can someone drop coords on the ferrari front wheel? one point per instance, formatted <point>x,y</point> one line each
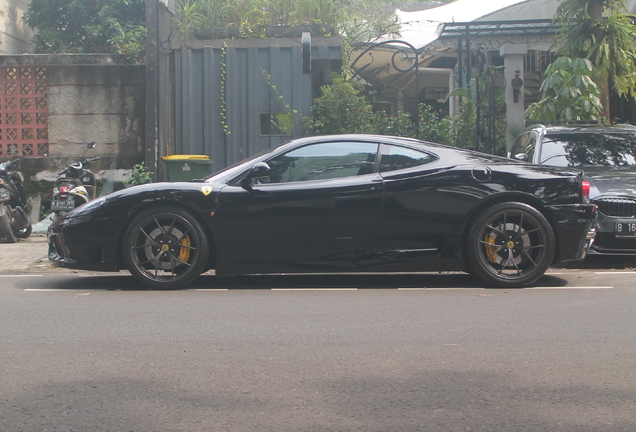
<point>165,248</point>
<point>510,245</point>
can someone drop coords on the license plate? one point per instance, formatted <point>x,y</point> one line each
<point>62,205</point>
<point>4,196</point>
<point>625,229</point>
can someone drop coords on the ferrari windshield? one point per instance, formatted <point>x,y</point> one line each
<point>579,149</point>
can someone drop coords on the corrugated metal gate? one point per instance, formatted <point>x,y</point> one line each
<point>242,96</point>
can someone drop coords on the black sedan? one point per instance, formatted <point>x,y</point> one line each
<point>347,203</point>
<point>607,156</point>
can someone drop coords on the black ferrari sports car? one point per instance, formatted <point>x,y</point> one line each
<point>345,203</point>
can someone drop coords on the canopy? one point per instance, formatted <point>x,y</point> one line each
<point>390,67</point>
<point>533,9</point>
<point>422,27</point>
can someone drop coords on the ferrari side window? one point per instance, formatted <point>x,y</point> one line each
<point>398,158</point>
<point>323,161</point>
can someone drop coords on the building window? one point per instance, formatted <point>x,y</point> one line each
<point>24,127</point>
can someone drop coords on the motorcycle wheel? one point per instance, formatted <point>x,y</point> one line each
<point>7,231</point>
<point>24,233</point>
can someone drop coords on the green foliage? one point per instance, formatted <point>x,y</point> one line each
<point>190,16</point>
<point>340,109</point>
<point>568,93</point>
<point>355,20</point>
<point>139,175</point>
<point>129,40</point>
<point>88,26</point>
<point>463,129</point>
<point>429,127</point>
<point>602,32</point>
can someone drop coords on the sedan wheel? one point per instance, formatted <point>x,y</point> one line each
<point>510,245</point>
<point>165,248</point>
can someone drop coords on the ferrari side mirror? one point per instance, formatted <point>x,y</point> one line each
<point>260,169</point>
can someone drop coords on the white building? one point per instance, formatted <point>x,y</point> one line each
<point>15,35</point>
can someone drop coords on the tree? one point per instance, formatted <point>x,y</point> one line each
<point>87,26</point>
<point>601,31</point>
<point>568,93</point>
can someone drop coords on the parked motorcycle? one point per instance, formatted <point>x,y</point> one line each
<point>74,186</point>
<point>14,215</point>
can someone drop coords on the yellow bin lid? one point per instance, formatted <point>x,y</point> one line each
<point>186,157</point>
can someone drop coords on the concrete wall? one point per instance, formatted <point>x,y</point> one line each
<point>89,98</point>
<point>15,36</point>
<point>105,104</point>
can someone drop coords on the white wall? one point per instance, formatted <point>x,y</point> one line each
<point>15,36</point>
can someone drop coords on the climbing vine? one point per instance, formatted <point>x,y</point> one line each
<point>223,111</point>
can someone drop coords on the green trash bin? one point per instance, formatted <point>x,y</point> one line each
<point>186,167</point>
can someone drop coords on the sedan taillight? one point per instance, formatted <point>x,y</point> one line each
<point>585,189</point>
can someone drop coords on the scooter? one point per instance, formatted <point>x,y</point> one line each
<point>74,186</point>
<point>14,215</point>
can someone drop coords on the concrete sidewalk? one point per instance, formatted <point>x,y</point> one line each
<point>26,254</point>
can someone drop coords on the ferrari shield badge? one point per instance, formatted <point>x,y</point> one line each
<point>206,190</point>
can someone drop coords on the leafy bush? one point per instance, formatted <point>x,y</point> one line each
<point>429,128</point>
<point>568,93</point>
<point>341,109</point>
<point>356,20</point>
<point>139,175</point>
<point>88,26</point>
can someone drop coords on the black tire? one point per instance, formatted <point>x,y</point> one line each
<point>165,248</point>
<point>510,245</point>
<point>24,233</point>
<point>23,217</point>
<point>7,231</point>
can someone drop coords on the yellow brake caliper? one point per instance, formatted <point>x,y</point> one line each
<point>490,250</point>
<point>184,252</point>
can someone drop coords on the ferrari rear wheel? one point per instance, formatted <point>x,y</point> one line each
<point>510,245</point>
<point>165,248</point>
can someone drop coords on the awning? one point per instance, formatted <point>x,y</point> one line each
<point>534,9</point>
<point>421,27</point>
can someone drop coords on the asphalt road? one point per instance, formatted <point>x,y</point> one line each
<point>82,352</point>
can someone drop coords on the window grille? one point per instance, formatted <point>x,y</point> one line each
<point>24,130</point>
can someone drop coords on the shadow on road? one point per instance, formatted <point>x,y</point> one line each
<point>603,262</point>
<point>124,282</point>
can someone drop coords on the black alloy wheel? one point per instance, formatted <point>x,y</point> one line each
<point>165,248</point>
<point>510,245</point>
